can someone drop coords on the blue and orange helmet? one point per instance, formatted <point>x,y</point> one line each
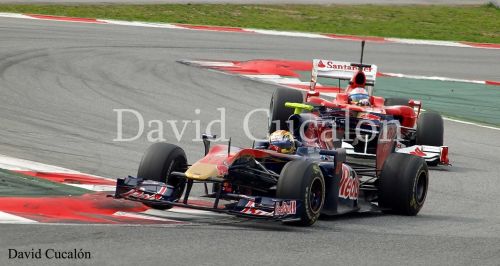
<point>282,141</point>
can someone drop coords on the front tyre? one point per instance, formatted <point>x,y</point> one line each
<point>403,184</point>
<point>430,129</point>
<point>303,180</point>
<point>158,162</point>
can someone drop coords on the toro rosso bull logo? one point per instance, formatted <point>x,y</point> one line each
<point>250,208</point>
<point>349,184</point>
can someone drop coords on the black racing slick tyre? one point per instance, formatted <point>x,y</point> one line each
<point>158,162</point>
<point>403,184</point>
<point>430,129</point>
<point>278,113</point>
<point>303,180</point>
<point>396,101</point>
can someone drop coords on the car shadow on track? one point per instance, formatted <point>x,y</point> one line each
<point>323,223</point>
<point>259,226</point>
<point>352,215</point>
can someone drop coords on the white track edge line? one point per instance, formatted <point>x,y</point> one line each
<point>435,78</point>
<point>7,218</point>
<point>16,164</point>
<point>470,123</point>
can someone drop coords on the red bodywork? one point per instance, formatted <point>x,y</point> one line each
<point>405,114</point>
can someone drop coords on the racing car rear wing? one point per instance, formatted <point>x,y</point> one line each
<point>341,70</point>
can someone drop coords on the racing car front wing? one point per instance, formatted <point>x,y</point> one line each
<point>433,155</point>
<point>159,194</point>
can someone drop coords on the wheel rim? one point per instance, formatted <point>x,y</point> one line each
<point>316,195</point>
<point>421,190</point>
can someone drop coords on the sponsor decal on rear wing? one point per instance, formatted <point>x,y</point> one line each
<point>340,70</point>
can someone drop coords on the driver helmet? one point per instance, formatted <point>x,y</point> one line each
<point>359,96</point>
<point>282,141</point>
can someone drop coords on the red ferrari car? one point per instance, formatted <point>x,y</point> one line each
<point>358,114</point>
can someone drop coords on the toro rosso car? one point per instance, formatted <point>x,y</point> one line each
<point>357,121</point>
<point>293,188</point>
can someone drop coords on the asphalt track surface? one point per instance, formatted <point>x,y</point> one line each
<point>346,2</point>
<point>59,84</point>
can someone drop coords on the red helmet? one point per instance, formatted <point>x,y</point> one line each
<point>358,95</point>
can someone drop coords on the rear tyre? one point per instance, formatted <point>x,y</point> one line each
<point>303,180</point>
<point>158,162</point>
<point>278,113</point>
<point>396,101</point>
<point>403,184</point>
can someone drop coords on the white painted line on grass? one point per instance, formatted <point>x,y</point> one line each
<point>427,42</point>
<point>140,24</point>
<point>290,34</point>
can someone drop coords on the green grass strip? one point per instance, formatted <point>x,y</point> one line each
<point>15,184</point>
<point>433,22</point>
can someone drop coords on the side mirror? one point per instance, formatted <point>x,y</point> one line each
<point>206,141</point>
<point>414,103</point>
<point>311,93</point>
